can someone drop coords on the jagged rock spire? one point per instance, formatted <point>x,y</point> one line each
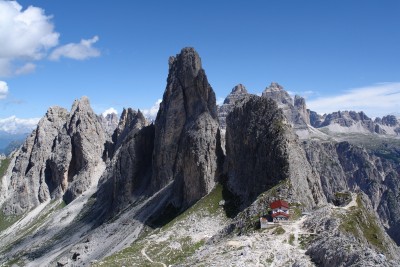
<point>186,128</point>
<point>59,159</point>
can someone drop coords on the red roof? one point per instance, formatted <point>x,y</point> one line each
<point>279,203</point>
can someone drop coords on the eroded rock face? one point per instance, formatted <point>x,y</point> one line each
<point>237,94</point>
<point>87,140</point>
<point>256,149</point>
<point>344,167</point>
<point>300,105</point>
<point>130,120</point>
<point>128,173</point>
<point>355,122</point>
<point>315,119</point>
<point>295,112</point>
<point>109,123</point>
<point>350,237</point>
<point>58,159</point>
<point>186,132</point>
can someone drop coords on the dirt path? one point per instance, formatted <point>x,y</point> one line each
<point>143,251</point>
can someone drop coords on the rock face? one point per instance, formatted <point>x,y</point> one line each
<point>343,167</point>
<point>389,124</point>
<point>130,120</point>
<point>109,123</point>
<point>315,119</point>
<point>59,159</point>
<point>186,146</point>
<point>390,120</point>
<point>238,93</point>
<point>300,105</point>
<point>262,151</point>
<point>350,237</point>
<point>355,122</point>
<point>128,173</point>
<point>256,151</point>
<point>295,112</point>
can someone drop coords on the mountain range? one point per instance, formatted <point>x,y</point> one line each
<point>189,188</point>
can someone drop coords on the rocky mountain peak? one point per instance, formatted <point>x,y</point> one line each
<point>109,123</point>
<point>56,113</point>
<point>300,105</point>
<point>295,113</point>
<point>129,120</point>
<point>240,88</point>
<point>390,120</point>
<point>277,93</point>
<point>186,127</point>
<point>274,86</point>
<point>188,62</point>
<point>238,93</point>
<point>81,104</point>
<point>59,159</point>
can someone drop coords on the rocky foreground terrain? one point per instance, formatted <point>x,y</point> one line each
<point>189,189</point>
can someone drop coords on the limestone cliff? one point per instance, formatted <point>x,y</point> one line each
<point>263,151</point>
<point>186,142</point>
<point>295,111</point>
<point>58,159</point>
<point>128,173</point>
<point>238,92</point>
<point>256,151</point>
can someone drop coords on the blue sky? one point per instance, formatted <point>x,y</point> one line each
<point>331,52</point>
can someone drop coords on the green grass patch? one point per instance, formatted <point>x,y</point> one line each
<point>278,231</point>
<point>362,224</point>
<point>291,239</point>
<point>305,240</point>
<point>14,262</point>
<point>7,221</point>
<point>4,166</point>
<point>295,211</point>
<point>208,205</point>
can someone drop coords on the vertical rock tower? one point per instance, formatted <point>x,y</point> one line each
<point>186,146</point>
<point>61,158</point>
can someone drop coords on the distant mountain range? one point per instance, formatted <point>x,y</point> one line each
<point>189,188</point>
<point>9,142</point>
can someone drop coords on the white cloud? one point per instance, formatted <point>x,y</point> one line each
<point>3,90</point>
<point>25,35</point>
<point>220,101</point>
<point>25,69</point>
<point>16,125</point>
<point>81,51</point>
<point>375,100</point>
<point>109,111</point>
<point>151,113</point>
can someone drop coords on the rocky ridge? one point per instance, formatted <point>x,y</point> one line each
<point>179,162</point>
<point>356,122</point>
<point>57,159</point>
